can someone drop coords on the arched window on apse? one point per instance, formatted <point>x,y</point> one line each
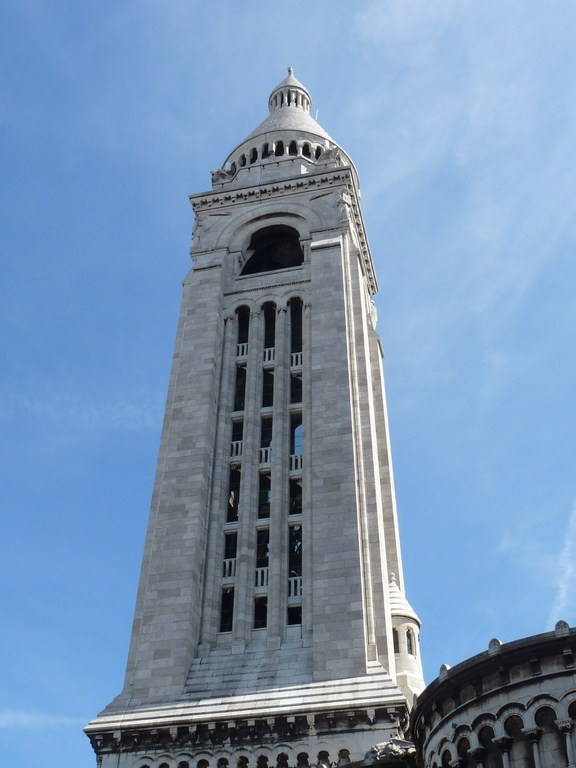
<point>521,754</point>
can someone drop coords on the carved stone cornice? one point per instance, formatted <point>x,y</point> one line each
<point>564,726</point>
<point>504,743</point>
<point>241,734</point>
<point>219,198</point>
<point>533,734</point>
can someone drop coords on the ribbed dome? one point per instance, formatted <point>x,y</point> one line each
<point>288,133</point>
<point>399,606</point>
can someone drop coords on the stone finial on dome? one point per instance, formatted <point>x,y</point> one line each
<point>290,93</point>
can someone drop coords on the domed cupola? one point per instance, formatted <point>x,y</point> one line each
<point>290,93</point>
<point>406,641</point>
<point>288,137</point>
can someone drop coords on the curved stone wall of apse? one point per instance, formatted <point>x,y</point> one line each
<point>513,706</point>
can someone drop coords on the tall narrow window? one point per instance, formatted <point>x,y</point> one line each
<point>230,545</point>
<point>269,325</point>
<point>262,548</point>
<point>296,388</point>
<point>410,642</point>
<point>266,441</point>
<point>296,497</point>
<point>227,609</point>
<point>294,615</point>
<point>267,388</point>
<point>295,325</point>
<point>260,612</point>
<point>264,495</point>
<point>240,388</point>
<point>243,330</point>
<point>296,434</point>
<point>295,550</point>
<point>237,433</point>
<point>233,494</point>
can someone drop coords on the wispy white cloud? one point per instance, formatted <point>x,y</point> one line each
<point>466,103</point>
<point>565,600</point>
<point>13,719</point>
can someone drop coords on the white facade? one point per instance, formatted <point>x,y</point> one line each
<point>272,576</point>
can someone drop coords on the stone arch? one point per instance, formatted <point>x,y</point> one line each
<point>445,745</point>
<point>492,757</point>
<point>570,706</point>
<point>511,708</point>
<point>463,747</point>
<point>552,743</point>
<point>234,232</point>
<point>520,754</point>
<point>185,759</point>
<point>282,760</point>
<point>567,705</point>
<point>486,718</point>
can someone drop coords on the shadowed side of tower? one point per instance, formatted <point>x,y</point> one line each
<point>271,601</point>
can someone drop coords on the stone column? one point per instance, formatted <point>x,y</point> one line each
<point>478,754</point>
<point>307,608</point>
<point>277,580</point>
<point>533,735</point>
<point>217,517</point>
<point>248,505</point>
<point>565,727</point>
<point>504,744</point>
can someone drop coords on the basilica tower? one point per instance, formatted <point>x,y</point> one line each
<point>271,624</point>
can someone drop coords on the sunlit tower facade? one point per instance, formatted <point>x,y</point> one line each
<point>271,626</point>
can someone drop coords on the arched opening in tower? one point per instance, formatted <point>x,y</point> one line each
<point>275,247</point>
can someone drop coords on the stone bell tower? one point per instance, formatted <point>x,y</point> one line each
<point>271,625</point>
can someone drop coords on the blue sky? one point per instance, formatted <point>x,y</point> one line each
<point>461,119</point>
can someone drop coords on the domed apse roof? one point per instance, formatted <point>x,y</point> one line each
<point>399,606</point>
